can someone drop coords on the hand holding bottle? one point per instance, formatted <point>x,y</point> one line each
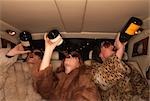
<point>54,35</point>
<point>118,44</point>
<point>49,47</point>
<point>49,43</point>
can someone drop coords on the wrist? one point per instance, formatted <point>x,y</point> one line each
<point>8,56</point>
<point>49,49</point>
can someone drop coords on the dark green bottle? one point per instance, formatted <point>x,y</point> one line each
<point>130,28</point>
<point>26,40</point>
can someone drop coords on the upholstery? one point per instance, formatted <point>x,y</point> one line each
<point>89,61</point>
<point>134,65</point>
<point>55,60</point>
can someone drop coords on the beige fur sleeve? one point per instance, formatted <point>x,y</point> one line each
<point>4,61</point>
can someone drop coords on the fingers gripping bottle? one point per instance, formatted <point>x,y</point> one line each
<point>54,35</point>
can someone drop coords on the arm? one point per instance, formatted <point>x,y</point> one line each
<point>120,47</point>
<point>49,47</point>
<point>4,61</point>
<point>44,76</point>
<point>9,56</point>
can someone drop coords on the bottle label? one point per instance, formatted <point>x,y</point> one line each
<point>132,29</point>
<point>58,37</point>
<point>25,43</point>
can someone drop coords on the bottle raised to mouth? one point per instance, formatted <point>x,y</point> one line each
<point>54,35</point>
<point>130,29</point>
<point>26,40</point>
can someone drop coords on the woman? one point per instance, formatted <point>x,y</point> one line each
<point>16,78</point>
<point>116,80</point>
<point>70,82</point>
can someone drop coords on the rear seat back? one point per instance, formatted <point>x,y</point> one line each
<point>89,61</point>
<point>55,60</point>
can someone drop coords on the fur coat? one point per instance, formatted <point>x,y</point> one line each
<point>15,80</point>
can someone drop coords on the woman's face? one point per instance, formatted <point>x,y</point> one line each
<point>106,52</point>
<point>71,63</point>
<point>34,57</point>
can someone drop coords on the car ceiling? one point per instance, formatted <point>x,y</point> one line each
<point>73,18</point>
<point>38,16</point>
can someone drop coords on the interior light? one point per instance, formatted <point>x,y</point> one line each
<point>83,46</point>
<point>87,43</point>
<point>10,32</point>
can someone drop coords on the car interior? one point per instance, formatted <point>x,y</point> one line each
<point>83,25</point>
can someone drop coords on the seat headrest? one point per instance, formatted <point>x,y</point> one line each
<point>88,62</point>
<point>90,54</point>
<point>125,56</point>
<point>55,55</point>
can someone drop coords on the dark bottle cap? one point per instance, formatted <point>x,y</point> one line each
<point>136,20</point>
<point>25,35</point>
<point>53,34</point>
